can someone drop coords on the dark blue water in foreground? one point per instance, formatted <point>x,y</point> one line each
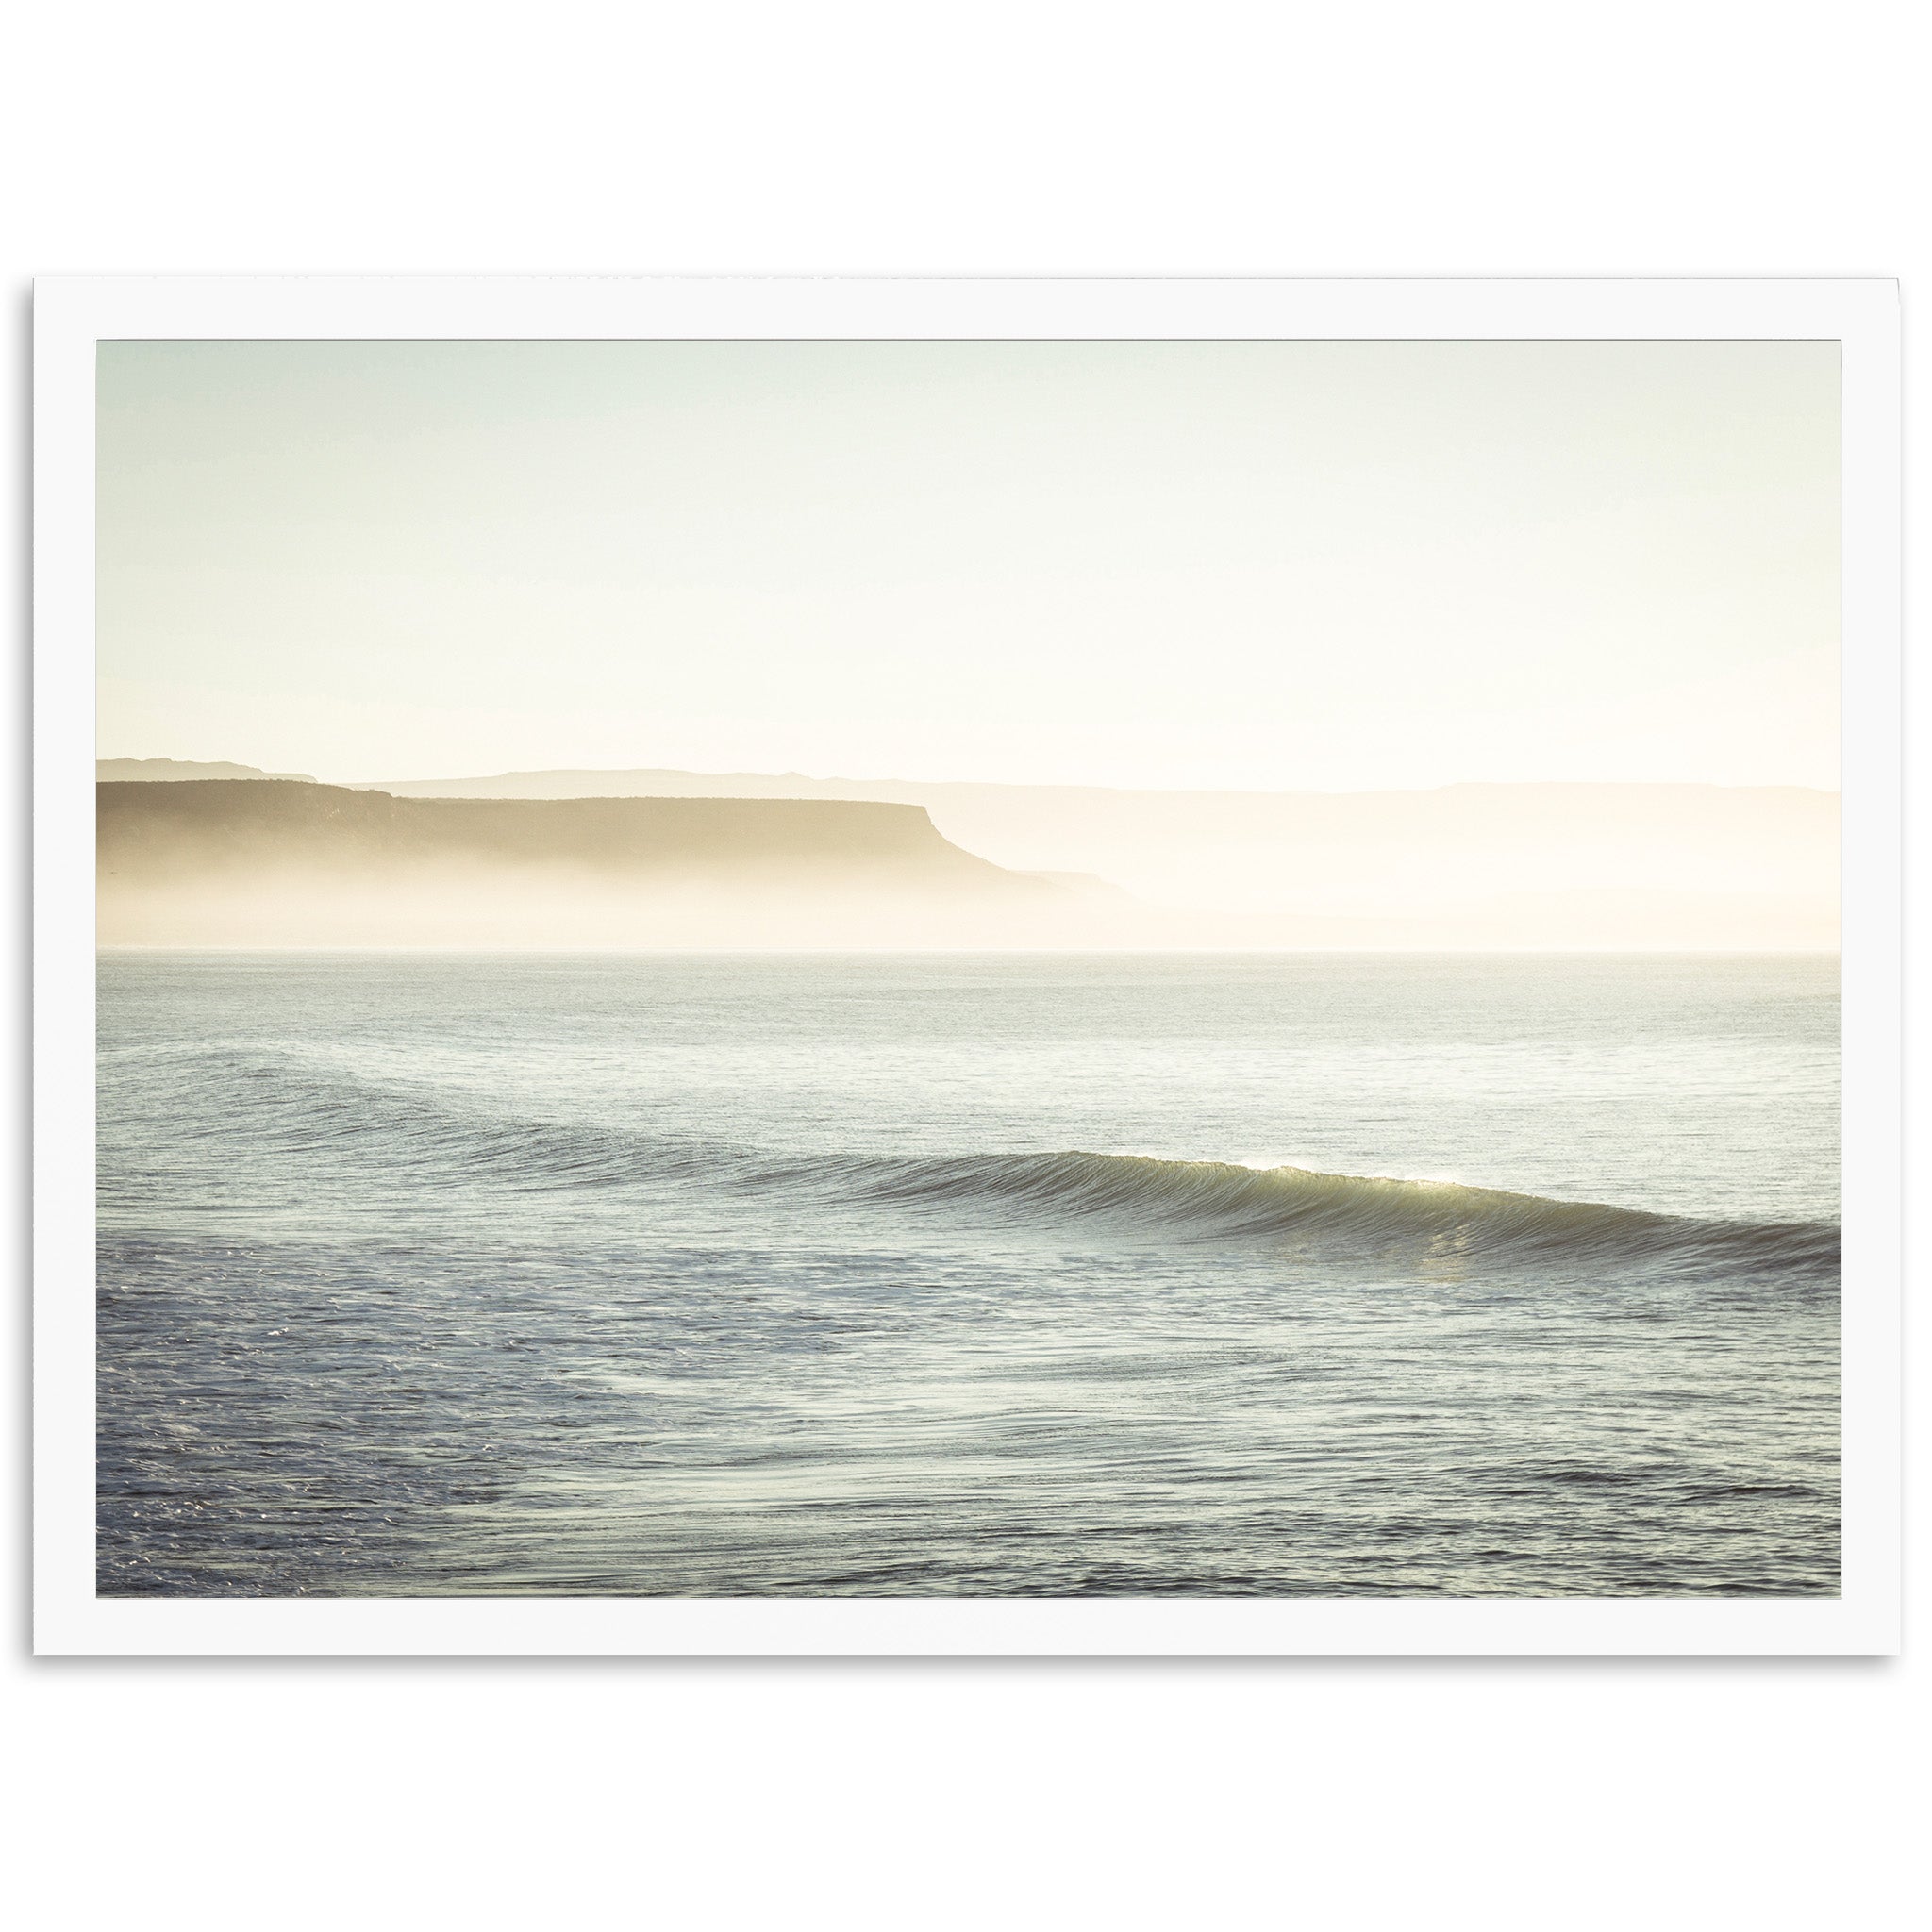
<point>1302,1275</point>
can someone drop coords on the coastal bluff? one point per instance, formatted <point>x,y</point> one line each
<point>268,862</point>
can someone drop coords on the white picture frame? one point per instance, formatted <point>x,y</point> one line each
<point>74,315</point>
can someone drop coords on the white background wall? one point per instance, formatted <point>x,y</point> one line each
<point>1682,138</point>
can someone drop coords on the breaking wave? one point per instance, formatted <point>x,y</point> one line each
<point>428,1141</point>
<point>1213,1201</point>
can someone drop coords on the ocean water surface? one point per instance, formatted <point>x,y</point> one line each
<point>967,1275</point>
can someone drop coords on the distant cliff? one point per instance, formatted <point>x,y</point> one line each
<point>238,862</point>
<point>184,771</point>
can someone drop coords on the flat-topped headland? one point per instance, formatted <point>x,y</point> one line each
<point>267,861</point>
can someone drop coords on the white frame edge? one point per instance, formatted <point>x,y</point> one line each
<point>73,314</point>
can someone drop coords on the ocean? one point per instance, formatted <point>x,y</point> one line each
<point>1234,1274</point>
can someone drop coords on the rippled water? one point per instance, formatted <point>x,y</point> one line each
<point>963,1275</point>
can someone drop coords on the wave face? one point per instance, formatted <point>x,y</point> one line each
<point>1213,1201</point>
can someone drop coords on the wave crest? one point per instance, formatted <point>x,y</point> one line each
<point>1212,1200</point>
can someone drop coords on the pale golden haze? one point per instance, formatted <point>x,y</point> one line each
<point>190,857</point>
<point>1249,566</point>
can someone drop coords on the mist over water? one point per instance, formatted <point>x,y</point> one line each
<point>650,860</point>
<point>954,1274</point>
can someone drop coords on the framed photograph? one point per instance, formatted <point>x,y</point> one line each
<point>979,967</point>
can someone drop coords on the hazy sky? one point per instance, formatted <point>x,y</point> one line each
<point>1248,565</point>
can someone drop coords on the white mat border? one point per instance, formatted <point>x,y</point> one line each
<point>74,314</point>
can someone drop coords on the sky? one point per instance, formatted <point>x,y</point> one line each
<point>1335,566</point>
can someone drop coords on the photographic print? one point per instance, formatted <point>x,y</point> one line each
<point>968,969</point>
